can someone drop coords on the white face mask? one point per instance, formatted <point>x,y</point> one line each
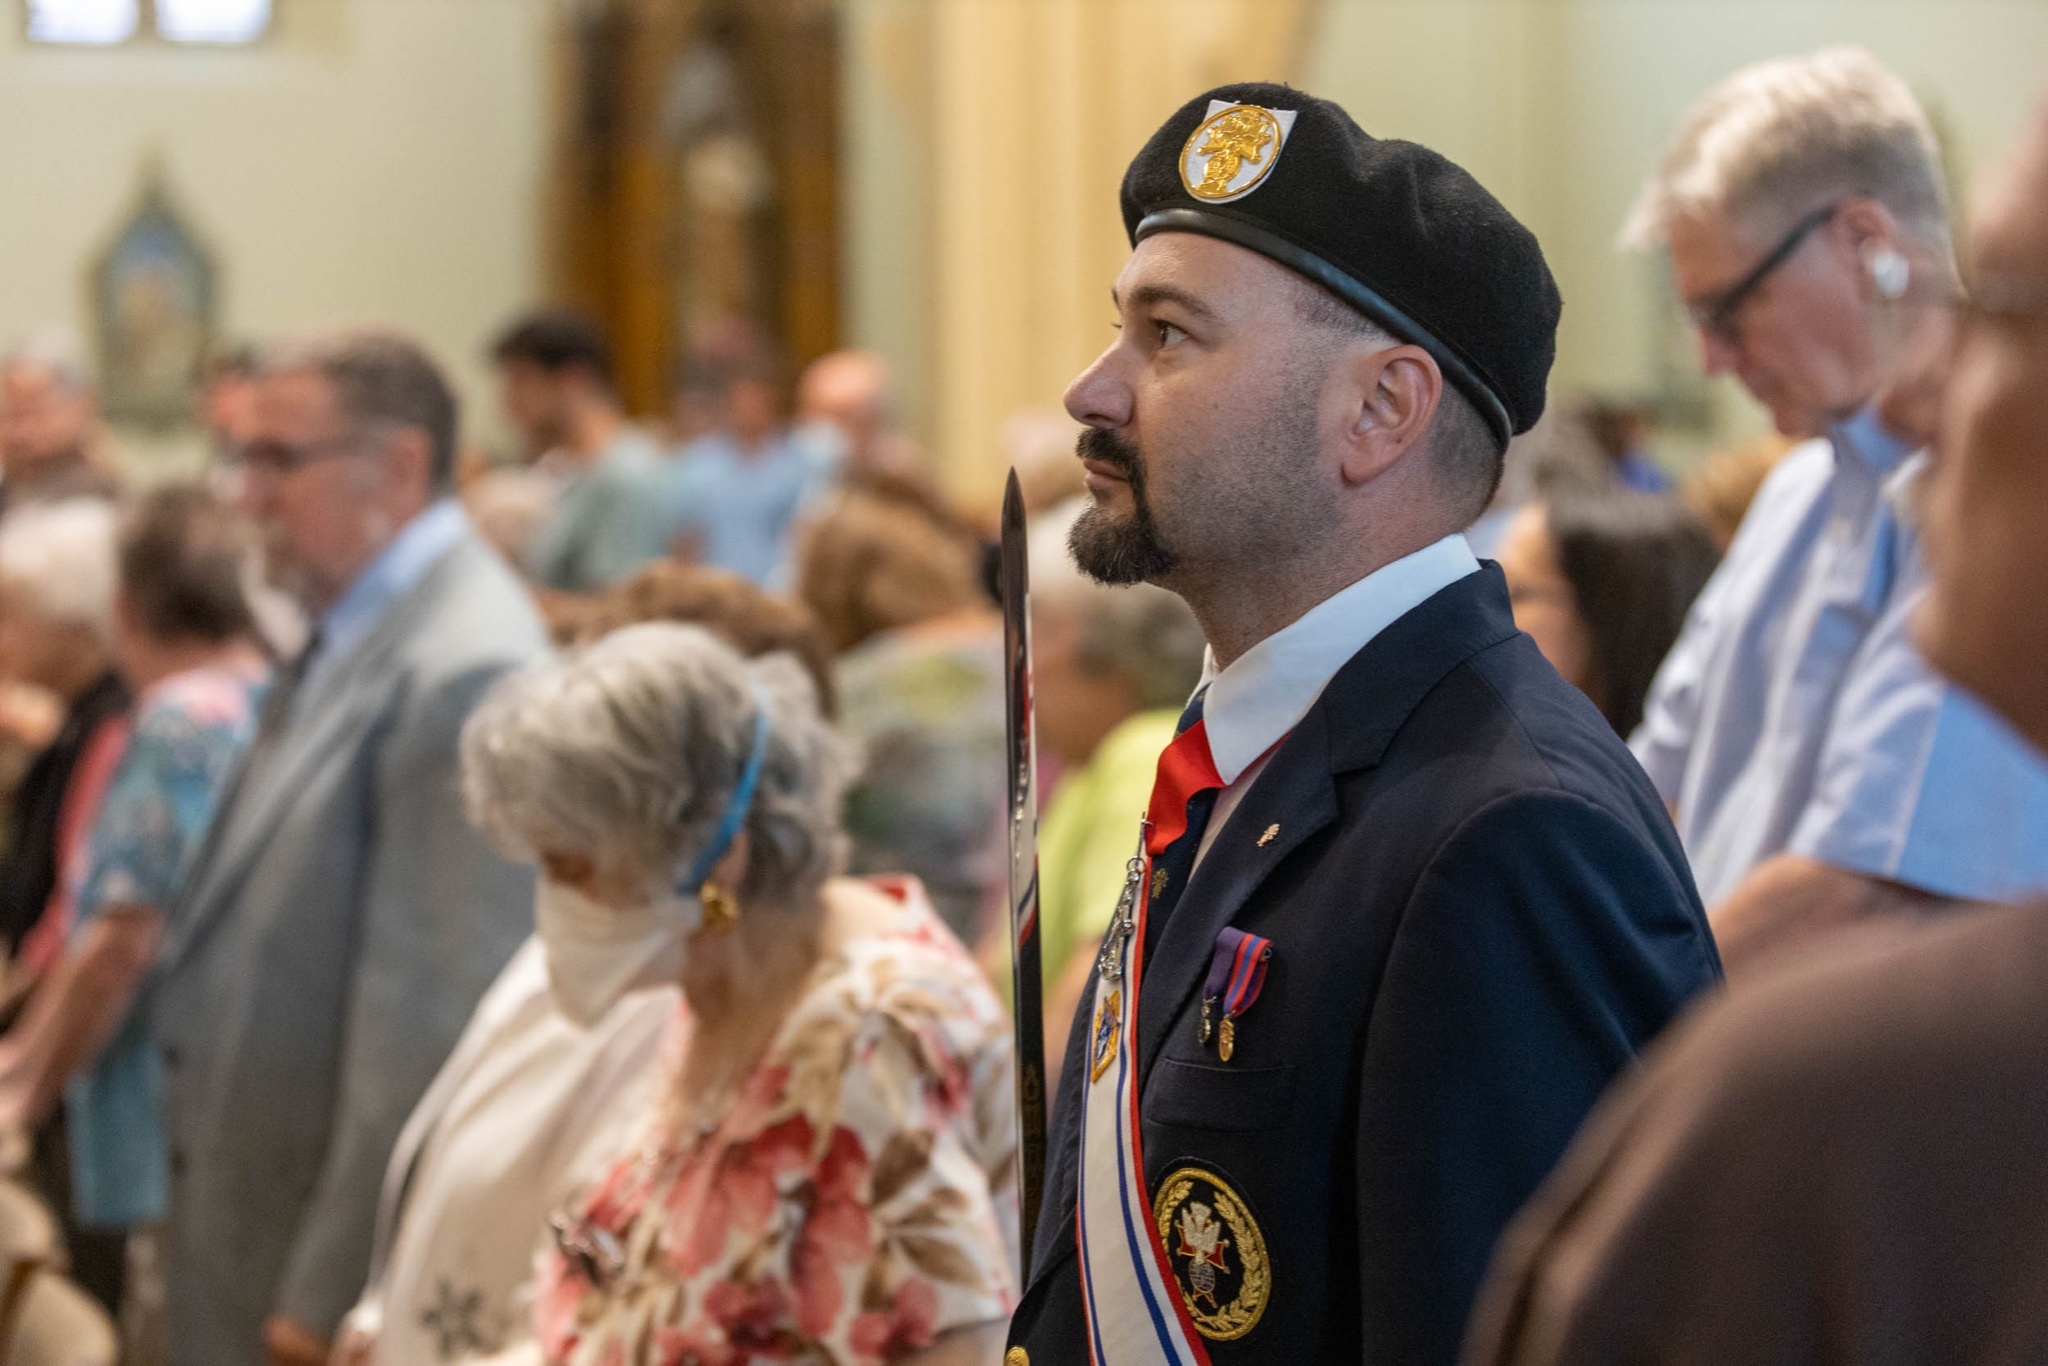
<point>598,953</point>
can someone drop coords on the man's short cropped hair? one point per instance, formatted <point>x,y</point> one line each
<point>557,339</point>
<point>1469,459</point>
<point>382,379</point>
<point>1779,139</point>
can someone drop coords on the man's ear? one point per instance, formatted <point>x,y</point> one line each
<point>409,461</point>
<point>730,872</point>
<point>1391,398</point>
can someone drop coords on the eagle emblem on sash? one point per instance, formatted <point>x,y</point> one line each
<point>1216,1250</point>
<point>1102,1038</point>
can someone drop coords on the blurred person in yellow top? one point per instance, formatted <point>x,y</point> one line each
<point>1112,669</point>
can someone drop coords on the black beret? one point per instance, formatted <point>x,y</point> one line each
<point>1403,235</point>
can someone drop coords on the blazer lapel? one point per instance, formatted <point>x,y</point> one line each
<point>1349,727</point>
<point>1295,792</point>
<point>331,712</point>
<point>312,732</point>
<point>1292,799</point>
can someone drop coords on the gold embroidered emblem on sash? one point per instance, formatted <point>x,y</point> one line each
<point>1102,1039</point>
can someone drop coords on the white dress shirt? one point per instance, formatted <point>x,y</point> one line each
<point>1266,691</point>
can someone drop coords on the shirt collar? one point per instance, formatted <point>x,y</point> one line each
<point>1863,437</point>
<point>1269,688</point>
<point>401,564</point>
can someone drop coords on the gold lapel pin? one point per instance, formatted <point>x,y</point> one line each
<point>1272,833</point>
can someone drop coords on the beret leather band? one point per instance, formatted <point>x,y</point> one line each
<point>1346,287</point>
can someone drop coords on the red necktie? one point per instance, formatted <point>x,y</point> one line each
<point>1183,794</point>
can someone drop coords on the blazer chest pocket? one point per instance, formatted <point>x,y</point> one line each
<point>1193,1095</point>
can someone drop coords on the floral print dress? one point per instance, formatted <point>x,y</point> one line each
<point>853,1203</point>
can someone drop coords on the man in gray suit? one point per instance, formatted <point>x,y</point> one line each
<point>343,918</point>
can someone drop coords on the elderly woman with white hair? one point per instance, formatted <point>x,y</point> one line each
<point>184,641</point>
<point>827,1170</point>
<point>57,589</point>
<point>57,575</point>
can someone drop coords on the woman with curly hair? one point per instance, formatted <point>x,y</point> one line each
<point>826,1172</point>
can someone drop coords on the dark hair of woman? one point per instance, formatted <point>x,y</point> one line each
<point>1635,562</point>
<point>745,616</point>
<point>184,554</point>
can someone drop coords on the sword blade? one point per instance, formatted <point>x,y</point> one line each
<point>1023,831</point>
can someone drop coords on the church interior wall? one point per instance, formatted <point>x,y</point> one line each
<point>367,161</point>
<point>384,159</point>
<point>984,140</point>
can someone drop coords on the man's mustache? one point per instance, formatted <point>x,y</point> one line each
<point>1106,447</point>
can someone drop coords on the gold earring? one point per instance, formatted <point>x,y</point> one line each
<point>721,911</point>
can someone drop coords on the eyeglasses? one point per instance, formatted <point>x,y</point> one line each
<point>284,457</point>
<point>1716,316</point>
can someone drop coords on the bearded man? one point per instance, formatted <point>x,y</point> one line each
<point>1402,903</point>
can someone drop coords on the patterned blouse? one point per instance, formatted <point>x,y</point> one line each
<point>190,731</point>
<point>854,1202</point>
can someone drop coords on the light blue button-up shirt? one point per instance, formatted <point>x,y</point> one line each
<point>741,509</point>
<point>607,521</point>
<point>402,563</point>
<point>1794,715</point>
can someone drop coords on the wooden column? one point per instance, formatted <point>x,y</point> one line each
<point>645,229</point>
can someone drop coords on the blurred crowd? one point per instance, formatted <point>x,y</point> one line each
<point>162,647</point>
<point>362,795</point>
<point>303,642</point>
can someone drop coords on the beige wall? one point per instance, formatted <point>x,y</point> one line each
<point>993,292</point>
<point>1591,90</point>
<point>372,160</point>
<point>985,142</point>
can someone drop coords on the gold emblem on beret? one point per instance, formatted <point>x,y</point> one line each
<point>1233,150</point>
<point>1016,1356</point>
<point>1272,833</point>
<point>1216,1251</point>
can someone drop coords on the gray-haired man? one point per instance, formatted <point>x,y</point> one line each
<point>1819,771</point>
<point>343,918</point>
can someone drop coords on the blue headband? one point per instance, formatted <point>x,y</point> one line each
<point>736,809</point>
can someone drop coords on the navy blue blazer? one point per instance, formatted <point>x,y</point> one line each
<point>1479,914</point>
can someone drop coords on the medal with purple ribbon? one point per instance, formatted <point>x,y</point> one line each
<point>1237,971</point>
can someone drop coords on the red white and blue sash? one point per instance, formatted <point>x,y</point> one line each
<point>1133,1302</point>
<point>1135,1308</point>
